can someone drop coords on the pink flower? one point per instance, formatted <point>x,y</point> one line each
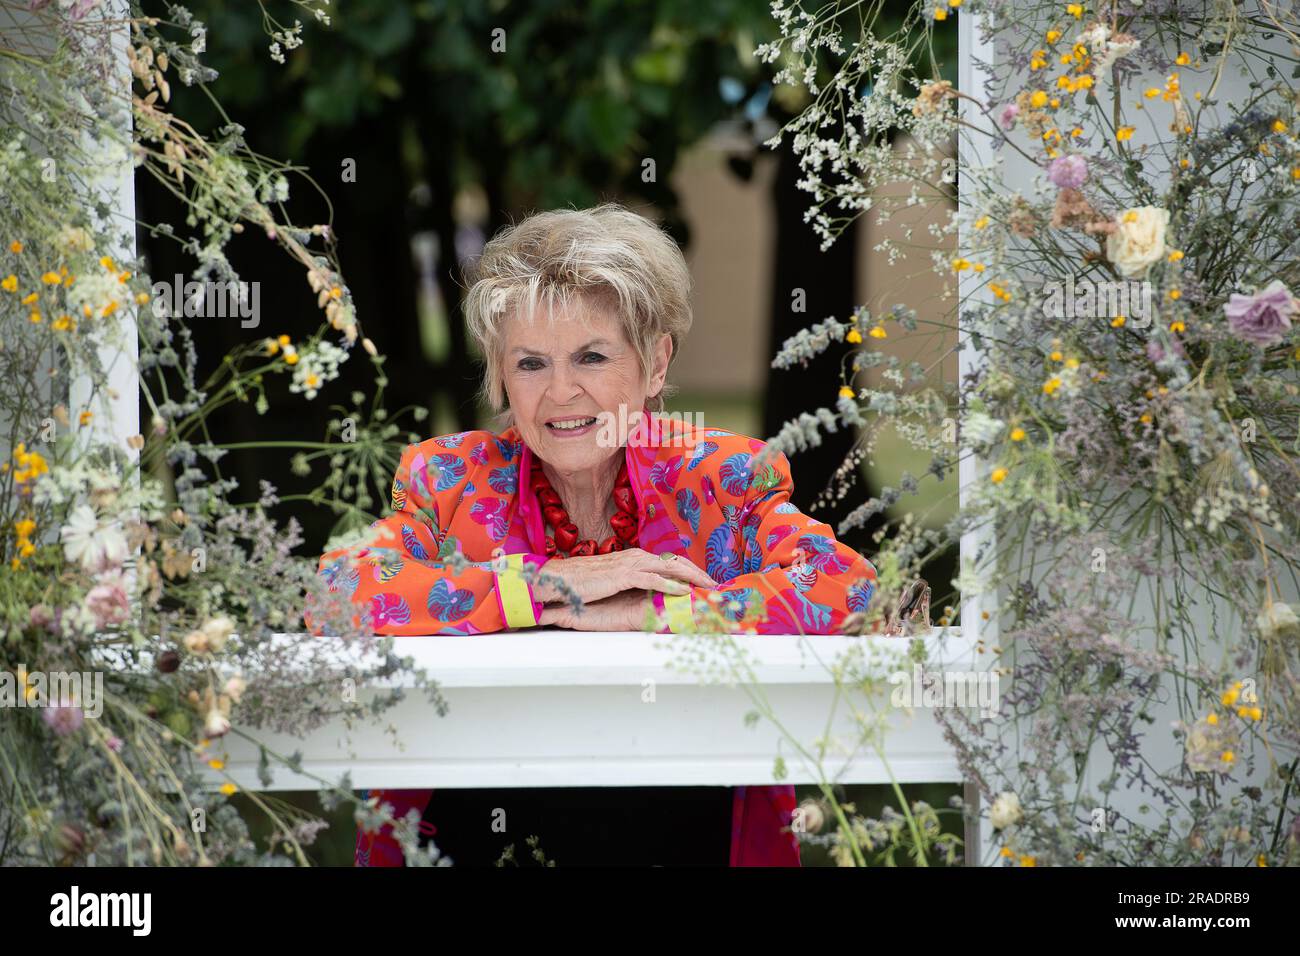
<point>1068,172</point>
<point>109,603</point>
<point>41,616</point>
<point>1263,318</point>
<point>64,719</point>
<point>1009,114</point>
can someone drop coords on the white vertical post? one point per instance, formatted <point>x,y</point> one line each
<point>116,409</point>
<point>977,545</point>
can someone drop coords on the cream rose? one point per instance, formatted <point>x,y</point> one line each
<point>1005,810</point>
<point>1138,239</point>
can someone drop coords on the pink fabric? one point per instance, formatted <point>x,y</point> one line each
<point>760,827</point>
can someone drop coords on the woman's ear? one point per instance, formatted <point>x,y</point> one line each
<point>663,354</point>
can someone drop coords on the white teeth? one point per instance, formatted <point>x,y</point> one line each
<point>575,423</point>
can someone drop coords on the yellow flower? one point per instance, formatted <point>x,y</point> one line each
<point>1072,363</point>
<point>978,267</point>
<point>107,263</point>
<point>1261,860</point>
<point>1182,59</point>
<point>1017,434</point>
<point>1051,385</point>
<point>1256,714</point>
<point>981,222</point>
<point>228,788</point>
<point>1007,851</point>
<point>15,247</point>
<point>291,358</point>
<point>51,278</point>
<point>998,476</point>
<point>1145,418</point>
<point>216,763</point>
<point>1055,356</point>
<point>1152,92</point>
<point>284,340</point>
<point>1038,99</point>
<point>336,292</point>
<point>1175,255</point>
<point>940,13</point>
<point>85,417</point>
<point>141,298</point>
<point>9,284</point>
<point>29,299</point>
<point>846,392</point>
<point>1230,695</point>
<point>877,332</point>
<point>63,324</point>
<point>35,318</point>
<point>272,346</point>
<point>854,336</point>
<point>1279,126</point>
<point>1028,861</point>
<point>1228,756</point>
<point>1212,719</point>
<point>1053,36</point>
<point>1125,133</point>
<point>959,265</point>
<point>1177,326</point>
<point>954,3</point>
<point>1116,322</point>
<point>1075,10</point>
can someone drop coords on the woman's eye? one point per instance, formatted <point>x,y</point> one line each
<point>529,364</point>
<point>591,358</point>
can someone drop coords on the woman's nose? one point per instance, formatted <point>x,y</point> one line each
<point>563,387</point>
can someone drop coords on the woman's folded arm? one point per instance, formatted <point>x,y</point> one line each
<point>398,584</point>
<point>781,572</point>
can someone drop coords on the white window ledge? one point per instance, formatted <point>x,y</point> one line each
<point>545,708</point>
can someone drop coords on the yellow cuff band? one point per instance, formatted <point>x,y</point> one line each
<point>679,612</point>
<point>516,599</point>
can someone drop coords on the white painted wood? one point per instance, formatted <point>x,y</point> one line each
<point>979,545</point>
<point>561,708</point>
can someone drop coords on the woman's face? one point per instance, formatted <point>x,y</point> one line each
<point>576,371</point>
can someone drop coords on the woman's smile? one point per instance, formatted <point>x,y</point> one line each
<point>571,427</point>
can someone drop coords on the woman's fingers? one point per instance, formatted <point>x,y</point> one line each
<point>650,581</point>
<point>683,569</point>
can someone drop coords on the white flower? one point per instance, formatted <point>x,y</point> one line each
<point>315,367</point>
<point>235,688</point>
<point>216,631</point>
<point>215,724</point>
<point>1005,810</point>
<point>1278,620</point>
<point>981,429</point>
<point>1138,240</point>
<point>95,545</point>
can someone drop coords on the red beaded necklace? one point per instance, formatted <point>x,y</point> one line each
<point>565,543</point>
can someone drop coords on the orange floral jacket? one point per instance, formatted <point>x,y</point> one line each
<point>698,494</point>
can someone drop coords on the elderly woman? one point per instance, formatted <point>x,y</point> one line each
<point>578,315</point>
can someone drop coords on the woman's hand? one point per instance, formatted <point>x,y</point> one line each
<point>625,611</point>
<point>599,576</point>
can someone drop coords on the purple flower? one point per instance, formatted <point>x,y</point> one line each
<point>64,719</point>
<point>1263,318</point>
<point>1009,114</point>
<point>1156,353</point>
<point>1068,172</point>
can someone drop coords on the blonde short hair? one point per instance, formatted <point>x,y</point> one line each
<point>605,255</point>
